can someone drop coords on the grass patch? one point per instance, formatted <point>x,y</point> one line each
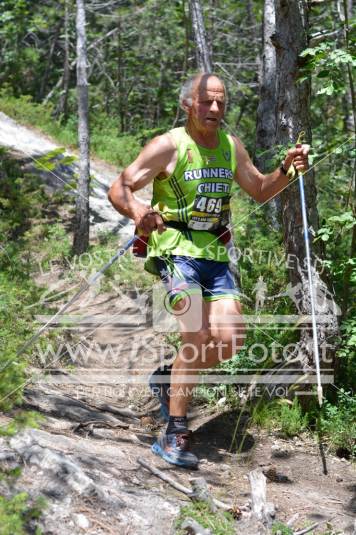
<point>281,415</point>
<point>24,110</point>
<point>220,523</point>
<point>279,528</point>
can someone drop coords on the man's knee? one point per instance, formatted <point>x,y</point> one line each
<point>199,339</point>
<point>228,344</point>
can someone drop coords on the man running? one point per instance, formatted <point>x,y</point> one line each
<point>192,169</point>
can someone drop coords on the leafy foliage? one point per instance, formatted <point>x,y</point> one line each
<point>23,203</point>
<point>339,422</point>
<point>327,63</point>
<point>21,420</point>
<point>155,36</point>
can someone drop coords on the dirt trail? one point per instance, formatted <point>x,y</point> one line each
<point>98,421</point>
<point>31,144</point>
<point>84,457</point>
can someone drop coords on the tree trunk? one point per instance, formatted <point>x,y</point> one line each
<point>292,117</point>
<point>81,232</point>
<point>121,97</point>
<point>185,57</point>
<point>267,108</point>
<point>202,51</point>
<point>250,17</point>
<point>49,63</point>
<point>62,108</point>
<point>351,126</point>
<point>266,111</point>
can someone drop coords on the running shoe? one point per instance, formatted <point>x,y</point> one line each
<point>159,384</point>
<point>175,449</point>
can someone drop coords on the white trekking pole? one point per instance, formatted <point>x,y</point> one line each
<point>310,280</point>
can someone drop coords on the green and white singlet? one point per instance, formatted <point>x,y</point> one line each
<point>197,194</point>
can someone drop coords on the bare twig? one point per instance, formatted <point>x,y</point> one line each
<point>292,520</point>
<point>121,411</point>
<point>164,477</point>
<point>321,36</point>
<point>313,526</point>
<point>100,423</point>
<point>307,530</point>
<point>181,488</point>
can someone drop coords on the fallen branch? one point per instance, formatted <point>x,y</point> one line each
<point>261,509</point>
<point>99,423</point>
<point>164,477</point>
<point>188,492</point>
<point>121,411</point>
<point>116,410</point>
<point>292,520</point>
<point>307,530</point>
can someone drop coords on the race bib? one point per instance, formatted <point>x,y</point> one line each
<point>209,213</point>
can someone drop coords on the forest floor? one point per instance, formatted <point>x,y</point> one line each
<point>100,418</point>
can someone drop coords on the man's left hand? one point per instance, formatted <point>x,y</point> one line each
<point>297,156</point>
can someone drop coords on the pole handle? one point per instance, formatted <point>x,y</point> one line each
<point>301,138</point>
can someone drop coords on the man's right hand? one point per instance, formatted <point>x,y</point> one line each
<point>149,221</point>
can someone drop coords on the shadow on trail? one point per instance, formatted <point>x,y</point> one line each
<point>219,435</point>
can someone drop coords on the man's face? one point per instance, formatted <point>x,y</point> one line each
<point>208,104</point>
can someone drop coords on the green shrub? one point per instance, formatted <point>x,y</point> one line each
<point>346,353</point>
<point>338,422</point>
<point>21,420</point>
<point>112,148</point>
<point>18,511</point>
<point>292,419</point>
<point>55,244</point>
<point>21,202</point>
<point>25,110</point>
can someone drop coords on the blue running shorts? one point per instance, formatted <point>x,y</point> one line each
<point>184,275</point>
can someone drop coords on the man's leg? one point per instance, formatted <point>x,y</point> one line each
<point>173,445</point>
<point>183,300</point>
<point>221,336</point>
<point>205,343</point>
<point>194,339</point>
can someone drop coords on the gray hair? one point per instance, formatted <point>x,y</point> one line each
<point>185,95</point>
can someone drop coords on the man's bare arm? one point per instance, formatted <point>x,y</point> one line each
<point>263,187</point>
<point>157,157</point>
